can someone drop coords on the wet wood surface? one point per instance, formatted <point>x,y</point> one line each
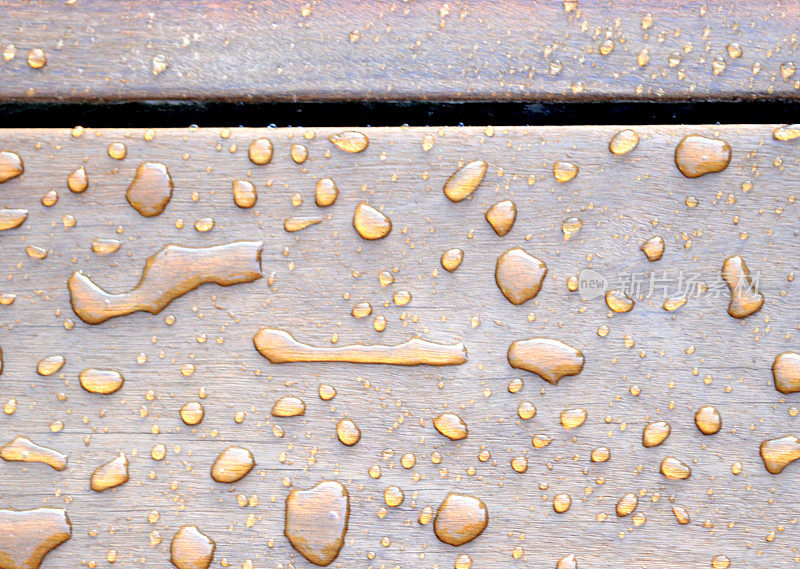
<point>394,50</point>
<point>648,364</point>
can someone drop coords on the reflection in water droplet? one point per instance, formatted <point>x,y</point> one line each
<point>549,359</point>
<point>708,420</point>
<point>501,216</point>
<point>745,299</point>
<point>232,464</point>
<point>350,141</point>
<point>347,432</point>
<point>25,450</point>
<point>451,425</point>
<point>465,180</point>
<point>260,151</point>
<point>78,181</point>
<point>653,248</point>
<point>288,407</point>
<point>50,365</point>
<point>623,142</point>
<point>192,412</point>
<point>779,453</point>
<point>786,372</point>
<point>316,521</point>
<point>191,549</point>
<point>371,223</point>
<point>326,192</point>
<point>151,189</point>
<point>451,259</point>
<point>326,392</point>
<point>674,469</point>
<point>460,519</point>
<point>519,275</point>
<point>618,301</point>
<point>627,504</point>
<point>110,474</point>
<point>697,155</point>
<point>244,194</point>
<point>10,165</point>
<point>573,418</point>
<point>655,433</point>
<point>103,381</point>
<point>27,536</point>
<point>564,171</point>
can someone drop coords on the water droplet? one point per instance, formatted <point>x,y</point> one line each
<point>151,189</point>
<point>623,142</point>
<point>10,165</point>
<point>786,372</point>
<point>348,433</point>
<point>549,359</point>
<point>25,450</point>
<point>168,274</point>
<point>232,464</point>
<point>11,218</point>
<point>35,252</point>
<point>110,474</point>
<point>105,381</point>
<point>50,365</point>
<point>573,418</point>
<point>192,412</point>
<point>674,303</point>
<point>385,278</point>
<point>260,151</point>
<point>674,469</point>
<point>7,299</point>
<point>463,561</point>
<point>601,454</point>
<point>451,259</point>
<point>465,180</point>
<point>720,562</point>
<point>568,562</point>
<point>526,410</point>
<point>745,299</point>
<point>288,407</point>
<point>37,58</point>
<point>117,150</point>
<point>519,275</point>
<point>299,153</point>
<point>681,514</point>
<point>244,194</point>
<point>788,70</point>
<point>460,519</point>
<point>644,57</point>
<point>564,171</point>
<point>452,426</point>
<point>653,248</point>
<point>786,132</point>
<point>106,246</point>
<point>401,297</point>
<point>697,155</point>
<point>718,66</point>
<point>393,496</point>
<point>326,192</point>
<point>326,392</point>
<point>27,536</point>
<point>280,347</point>
<point>618,301</point>
<point>562,503</point>
<point>606,46</point>
<point>361,310</point>
<point>160,63</point>
<point>316,521</point>
<point>540,440</point>
<point>78,181</point>
<point>627,504</point>
<point>204,224</point>
<point>293,224</point>
<point>779,453</point>
<point>570,227</point>
<point>191,549</point>
<point>655,433</point>
<point>371,223</point>
<point>350,141</point>
<point>501,216</point>
<point>708,420</point>
<point>734,50</point>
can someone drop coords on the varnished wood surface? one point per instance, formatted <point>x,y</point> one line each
<point>394,50</point>
<point>312,280</point>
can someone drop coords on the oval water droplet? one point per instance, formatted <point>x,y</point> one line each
<point>564,171</point>
<point>106,246</point>
<point>786,132</point>
<point>708,420</point>
<point>78,181</point>
<point>10,165</point>
<point>50,365</point>
<point>627,504</point>
<point>326,192</point>
<point>623,142</point>
<point>260,151</point>
<point>348,432</point>
<point>288,407</point>
<point>451,259</point>
<point>465,180</point>
<point>573,418</point>
<point>697,155</point>
<point>232,464</point>
<point>105,381</point>
<point>786,372</point>
<point>11,218</point>
<point>674,469</point>
<point>371,223</point>
<point>244,194</point>
<point>655,433</point>
<point>350,141</point>
<point>451,426</point>
<point>460,519</point>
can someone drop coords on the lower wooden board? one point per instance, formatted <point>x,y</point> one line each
<point>645,365</point>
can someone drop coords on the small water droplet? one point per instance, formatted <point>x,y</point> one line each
<point>347,432</point>
<point>623,142</point>
<point>117,150</point>
<point>326,192</point>
<point>564,171</point>
<point>627,504</point>
<point>244,194</point>
<point>232,464</point>
<point>573,418</point>
<point>192,412</point>
<point>618,301</point>
<point>10,165</point>
<point>288,407</point>
<point>260,151</point>
<point>151,189</point>
<point>110,474</point>
<point>451,426</point>
<point>674,469</point>
<point>350,141</point>
<point>708,420</point>
<point>50,365</point>
<point>501,216</point>
<point>653,248</point>
<point>451,259</point>
<point>37,58</point>
<point>786,132</point>
<point>655,433</point>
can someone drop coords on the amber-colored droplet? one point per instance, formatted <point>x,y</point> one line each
<point>191,548</point>
<point>326,392</point>
<point>299,153</point>
<point>779,453</point>
<point>117,150</point>
<point>105,381</point>
<point>627,504</point>
<point>10,165</point>
<point>674,469</point>
<point>501,216</point>
<point>460,519</point>
<point>347,432</point>
<point>37,58</point>
<point>573,418</point>
<point>600,454</point>
<point>316,521</point>
<point>50,365</point>
<point>681,514</point>
<point>567,562</point>
<point>708,420</point>
<point>697,155</point>
<point>570,227</point>
<point>623,142</point>
<point>655,433</point>
<point>326,192</point>
<point>618,301</point>
<point>745,299</point>
<point>786,372</point>
<point>244,194</point>
<point>451,425</point>
<point>562,503</point>
<point>564,171</point>
<point>232,464</point>
<point>110,474</point>
<point>350,141</point>
<point>27,536</point>
<point>451,259</point>
<point>465,180</point>
<point>288,407</point>
<point>549,359</point>
<point>371,223</point>
<point>293,224</point>
<point>151,189</point>
<point>787,132</point>
<point>78,181</point>
<point>260,151</point>
<point>653,248</point>
<point>11,218</point>
<point>23,449</point>
<point>192,412</point>
<point>519,275</point>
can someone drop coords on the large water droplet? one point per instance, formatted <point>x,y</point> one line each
<point>786,372</point>
<point>25,450</point>
<point>745,299</point>
<point>371,223</point>
<point>27,536</point>
<point>451,425</point>
<point>105,381</point>
<point>519,275</point>
<point>460,519</point>
<point>549,359</point>
<point>779,453</point>
<point>316,521</point>
<point>10,165</point>
<point>465,180</point>
<point>191,549</point>
<point>232,464</point>
<point>110,474</point>
<point>697,155</point>
<point>151,189</point>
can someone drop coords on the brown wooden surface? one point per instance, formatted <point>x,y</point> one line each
<point>388,50</point>
<point>622,201</point>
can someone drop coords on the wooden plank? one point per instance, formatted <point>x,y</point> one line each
<point>393,50</point>
<point>649,364</point>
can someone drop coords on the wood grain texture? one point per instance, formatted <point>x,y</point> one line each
<point>393,50</point>
<point>681,360</point>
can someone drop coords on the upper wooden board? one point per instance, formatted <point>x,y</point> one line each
<point>394,50</point>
